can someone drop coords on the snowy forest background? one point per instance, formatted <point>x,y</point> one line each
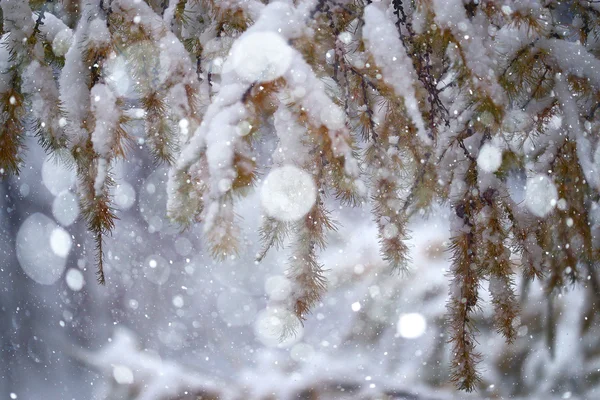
<point>197,325</point>
<point>420,128</point>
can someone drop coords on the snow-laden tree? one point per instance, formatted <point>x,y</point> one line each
<point>489,106</point>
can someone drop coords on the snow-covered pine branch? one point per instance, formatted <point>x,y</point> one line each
<point>491,107</point>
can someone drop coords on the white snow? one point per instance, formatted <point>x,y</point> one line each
<point>345,37</point>
<point>571,120</point>
<point>288,193</point>
<point>411,325</point>
<point>65,208</point>
<point>122,374</point>
<point>124,195</point>
<point>73,80</point>
<point>573,58</point>
<point>118,76</point>
<point>61,242</point>
<point>101,174</point>
<point>517,121</point>
<point>106,113</point>
<point>5,63</point>
<point>156,269</point>
<point>383,43</point>
<point>291,146</point>
<point>198,297</point>
<point>168,68</point>
<point>333,117</point>
<point>41,90</point>
<point>56,32</point>
<point>98,34</point>
<point>56,176</point>
<point>35,253</point>
<point>471,35</point>
<point>597,158</point>
<point>17,20</point>
<point>271,324</point>
<point>178,301</point>
<point>74,279</point>
<point>541,195</point>
<point>321,110</point>
<point>128,363</point>
<point>278,287</point>
<point>490,158</point>
<point>51,25</point>
<point>260,56</point>
<point>218,135</point>
<point>62,42</point>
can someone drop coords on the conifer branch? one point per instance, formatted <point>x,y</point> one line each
<point>462,305</point>
<point>496,259</point>
<point>466,274</point>
<point>272,234</point>
<point>304,271</point>
<point>402,99</point>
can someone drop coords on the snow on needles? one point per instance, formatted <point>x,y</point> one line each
<point>261,56</point>
<point>490,158</point>
<point>17,21</point>
<point>106,112</point>
<point>571,117</point>
<point>39,85</point>
<point>470,34</point>
<point>104,107</point>
<point>574,59</point>
<point>56,32</point>
<point>541,195</point>
<point>218,135</point>
<point>74,92</point>
<point>288,193</point>
<point>381,39</point>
